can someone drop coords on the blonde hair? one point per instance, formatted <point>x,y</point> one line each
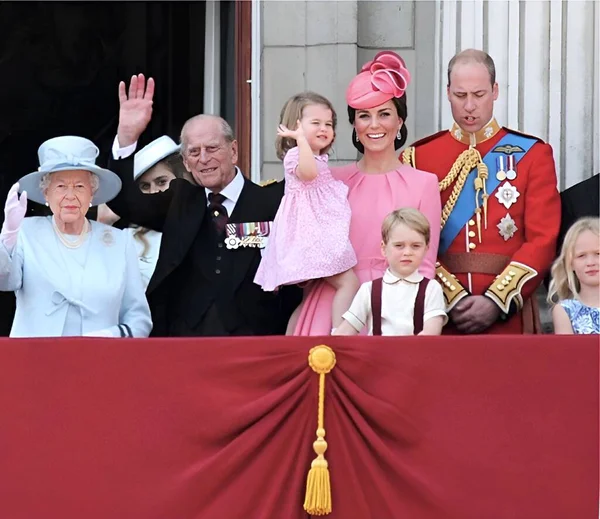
<point>292,112</point>
<point>564,283</point>
<point>412,218</point>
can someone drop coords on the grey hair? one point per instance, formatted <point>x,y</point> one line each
<point>94,180</point>
<point>474,56</point>
<point>226,130</point>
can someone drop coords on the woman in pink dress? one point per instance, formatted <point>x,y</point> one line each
<point>378,183</point>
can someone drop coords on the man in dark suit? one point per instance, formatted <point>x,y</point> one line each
<point>201,287</point>
<point>580,200</point>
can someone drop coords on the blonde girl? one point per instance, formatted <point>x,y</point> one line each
<point>575,286</point>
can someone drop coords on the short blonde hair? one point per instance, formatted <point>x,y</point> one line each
<point>292,112</point>
<point>412,218</point>
<point>564,283</point>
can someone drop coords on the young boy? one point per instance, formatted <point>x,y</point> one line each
<point>403,302</point>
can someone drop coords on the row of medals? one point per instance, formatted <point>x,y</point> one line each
<point>506,167</point>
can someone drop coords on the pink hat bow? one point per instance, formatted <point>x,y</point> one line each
<point>379,80</point>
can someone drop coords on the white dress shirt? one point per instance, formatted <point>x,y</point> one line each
<point>397,304</point>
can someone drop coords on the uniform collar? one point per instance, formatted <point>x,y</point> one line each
<point>390,278</point>
<point>473,139</point>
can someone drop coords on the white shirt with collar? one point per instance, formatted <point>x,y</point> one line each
<point>231,192</point>
<point>397,304</point>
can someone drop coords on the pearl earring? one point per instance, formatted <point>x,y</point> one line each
<point>47,204</point>
<point>90,204</point>
<point>399,133</point>
<point>356,136</point>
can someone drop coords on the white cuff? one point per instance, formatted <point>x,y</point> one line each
<point>354,321</point>
<point>122,153</point>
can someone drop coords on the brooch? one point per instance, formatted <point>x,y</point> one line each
<point>108,238</point>
<point>507,194</point>
<point>507,227</point>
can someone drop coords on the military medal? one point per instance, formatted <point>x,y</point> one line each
<point>511,174</point>
<point>507,194</point>
<point>507,227</point>
<point>501,171</point>
<point>247,234</point>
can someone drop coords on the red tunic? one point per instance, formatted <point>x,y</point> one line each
<point>520,261</point>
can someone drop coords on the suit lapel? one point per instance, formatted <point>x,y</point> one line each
<point>187,210</point>
<point>243,257</point>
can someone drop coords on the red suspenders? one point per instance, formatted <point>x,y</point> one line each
<point>376,291</point>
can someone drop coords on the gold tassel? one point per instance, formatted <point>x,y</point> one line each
<point>318,488</point>
<point>482,172</point>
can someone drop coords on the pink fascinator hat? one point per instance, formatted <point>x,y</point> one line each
<point>378,81</point>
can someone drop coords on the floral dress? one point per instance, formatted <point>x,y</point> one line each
<point>584,319</point>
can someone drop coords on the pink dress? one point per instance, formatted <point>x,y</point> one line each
<point>372,197</point>
<point>309,238</point>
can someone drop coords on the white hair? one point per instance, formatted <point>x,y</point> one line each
<point>94,180</point>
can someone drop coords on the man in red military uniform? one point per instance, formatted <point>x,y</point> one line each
<point>500,207</point>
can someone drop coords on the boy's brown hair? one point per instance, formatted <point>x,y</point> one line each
<point>412,218</point>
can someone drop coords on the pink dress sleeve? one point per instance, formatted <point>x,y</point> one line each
<point>431,206</point>
<point>290,161</point>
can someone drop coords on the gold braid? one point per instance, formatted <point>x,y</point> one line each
<point>465,163</point>
<point>408,156</point>
<point>460,170</point>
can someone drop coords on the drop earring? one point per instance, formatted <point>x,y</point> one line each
<point>90,204</point>
<point>399,133</point>
<point>47,204</point>
<point>356,136</point>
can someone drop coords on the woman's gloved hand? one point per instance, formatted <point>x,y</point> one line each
<point>14,214</point>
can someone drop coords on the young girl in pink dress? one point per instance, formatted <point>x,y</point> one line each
<point>309,238</point>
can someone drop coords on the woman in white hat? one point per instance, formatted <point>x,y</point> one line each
<point>71,276</point>
<point>154,166</point>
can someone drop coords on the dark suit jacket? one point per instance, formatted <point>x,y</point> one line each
<point>178,213</point>
<point>580,200</point>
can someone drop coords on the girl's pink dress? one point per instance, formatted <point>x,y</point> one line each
<point>372,197</point>
<point>309,238</point>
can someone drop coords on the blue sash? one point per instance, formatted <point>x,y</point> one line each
<point>511,144</point>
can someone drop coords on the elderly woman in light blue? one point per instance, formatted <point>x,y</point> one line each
<point>71,277</point>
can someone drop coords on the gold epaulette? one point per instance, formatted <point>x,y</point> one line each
<point>507,286</point>
<point>408,156</point>
<point>452,289</point>
<point>268,182</point>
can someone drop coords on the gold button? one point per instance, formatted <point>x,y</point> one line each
<point>440,275</point>
<point>504,282</point>
<point>472,246</point>
<point>471,222</point>
<point>452,288</point>
<point>512,272</point>
<point>508,278</point>
<point>500,287</point>
<point>471,234</point>
<point>444,279</point>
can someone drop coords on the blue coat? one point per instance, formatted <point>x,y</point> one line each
<point>57,290</point>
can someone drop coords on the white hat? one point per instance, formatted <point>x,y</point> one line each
<point>69,153</point>
<point>153,153</point>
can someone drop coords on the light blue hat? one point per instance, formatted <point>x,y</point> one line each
<point>70,153</point>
